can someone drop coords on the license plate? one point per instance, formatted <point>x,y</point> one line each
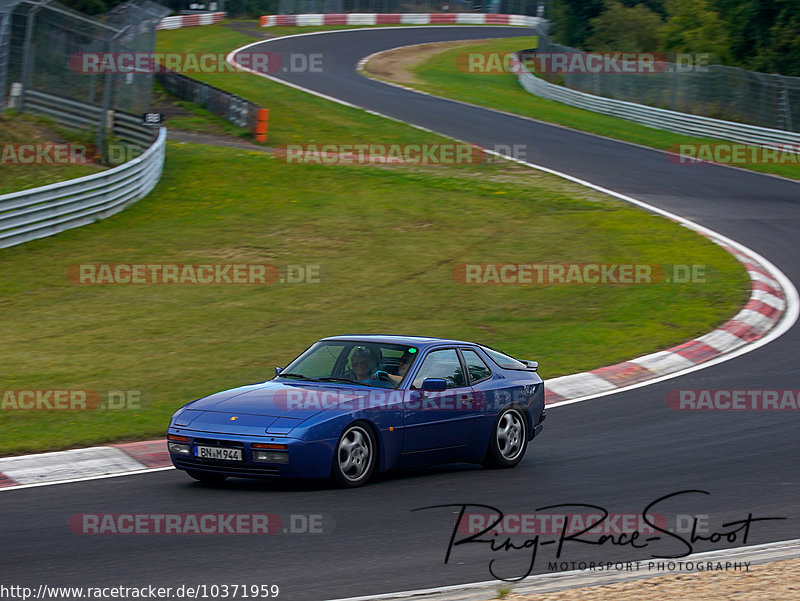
<point>219,453</point>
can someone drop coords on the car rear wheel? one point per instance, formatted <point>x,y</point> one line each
<point>355,457</point>
<point>508,441</point>
<point>207,477</point>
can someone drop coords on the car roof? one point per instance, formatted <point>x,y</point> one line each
<point>420,341</point>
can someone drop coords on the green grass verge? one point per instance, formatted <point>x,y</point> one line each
<point>439,75</point>
<point>295,116</point>
<point>26,129</point>
<point>387,239</point>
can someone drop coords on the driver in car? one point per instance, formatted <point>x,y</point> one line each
<point>364,369</point>
<point>402,368</point>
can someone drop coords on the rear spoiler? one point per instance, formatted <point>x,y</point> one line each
<point>531,365</point>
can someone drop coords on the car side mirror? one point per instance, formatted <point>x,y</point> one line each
<point>434,385</point>
<point>278,370</point>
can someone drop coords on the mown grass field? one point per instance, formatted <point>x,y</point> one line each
<point>386,238</point>
<point>295,116</point>
<point>16,173</point>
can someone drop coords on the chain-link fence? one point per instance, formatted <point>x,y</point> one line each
<point>43,47</point>
<point>136,22</point>
<point>767,100</point>
<point>515,7</point>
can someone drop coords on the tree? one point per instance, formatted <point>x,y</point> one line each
<point>571,20</point>
<point>625,29</point>
<point>693,26</point>
<point>783,52</point>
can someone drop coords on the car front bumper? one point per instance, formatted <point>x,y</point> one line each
<point>305,459</point>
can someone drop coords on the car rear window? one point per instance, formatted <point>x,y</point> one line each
<point>503,360</point>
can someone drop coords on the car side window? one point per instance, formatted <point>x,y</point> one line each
<point>441,364</point>
<point>477,368</point>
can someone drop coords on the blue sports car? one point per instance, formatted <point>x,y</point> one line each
<point>350,406</point>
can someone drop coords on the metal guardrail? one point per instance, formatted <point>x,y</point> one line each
<point>682,123</point>
<point>235,109</point>
<point>48,210</point>
<point>82,116</point>
<point>128,128</point>
<point>67,113</point>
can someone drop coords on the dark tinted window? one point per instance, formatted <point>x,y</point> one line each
<point>441,364</point>
<point>478,370</point>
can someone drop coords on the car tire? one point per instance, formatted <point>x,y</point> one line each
<point>355,456</point>
<point>207,477</point>
<point>508,441</point>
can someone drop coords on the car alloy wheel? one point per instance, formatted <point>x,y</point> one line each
<point>509,440</point>
<point>354,460</point>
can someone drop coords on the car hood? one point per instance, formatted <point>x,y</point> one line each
<point>271,407</point>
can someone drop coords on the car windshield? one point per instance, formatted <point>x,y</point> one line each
<point>374,364</point>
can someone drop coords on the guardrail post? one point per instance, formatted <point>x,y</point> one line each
<point>5,54</point>
<point>102,124</point>
<point>784,108</point>
<point>27,52</point>
<point>261,125</point>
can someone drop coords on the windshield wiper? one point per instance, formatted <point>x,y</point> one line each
<point>334,379</point>
<point>300,376</point>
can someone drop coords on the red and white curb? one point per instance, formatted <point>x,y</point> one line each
<point>398,19</point>
<point>761,314</point>
<point>83,464</point>
<point>180,21</point>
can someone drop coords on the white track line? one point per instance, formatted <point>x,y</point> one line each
<point>146,470</point>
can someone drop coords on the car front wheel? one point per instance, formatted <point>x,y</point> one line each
<point>508,440</point>
<point>355,457</point>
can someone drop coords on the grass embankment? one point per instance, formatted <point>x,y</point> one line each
<point>20,169</point>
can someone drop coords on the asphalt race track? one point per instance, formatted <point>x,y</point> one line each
<point>619,452</point>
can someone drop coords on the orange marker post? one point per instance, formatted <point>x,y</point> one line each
<point>261,125</point>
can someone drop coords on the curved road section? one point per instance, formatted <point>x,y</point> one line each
<point>725,471</point>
